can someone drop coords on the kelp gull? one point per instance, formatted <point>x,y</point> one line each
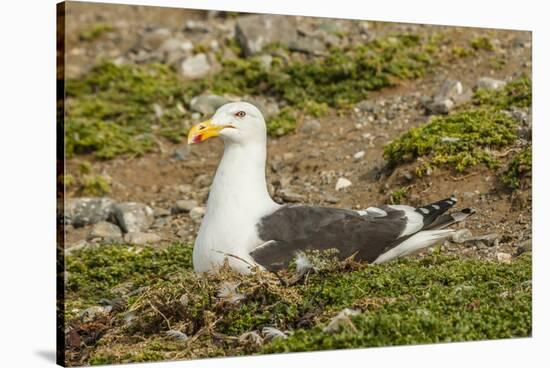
<point>244,226</point>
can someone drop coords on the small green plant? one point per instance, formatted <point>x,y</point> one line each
<point>460,140</point>
<point>398,195</point>
<point>482,43</point>
<point>87,183</point>
<point>519,169</point>
<point>94,186</point>
<point>95,31</point>
<point>460,52</point>
<point>466,138</point>
<point>516,93</point>
<point>283,123</point>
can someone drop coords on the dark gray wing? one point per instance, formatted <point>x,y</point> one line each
<point>296,228</point>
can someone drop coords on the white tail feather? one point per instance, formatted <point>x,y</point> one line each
<point>422,240</point>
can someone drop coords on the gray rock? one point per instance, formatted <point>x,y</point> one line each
<point>172,45</point>
<point>342,183</point>
<point>267,107</point>
<point>197,213</point>
<point>162,212</point>
<point>79,245</point>
<point>359,155</point>
<point>468,195</point>
<point>86,211</point>
<point>195,67</point>
<point>265,60</point>
<point>308,45</point>
<point>254,32</point>
<point>152,40</point>
<point>310,127</point>
<point>441,106</point>
<point>105,231</point>
<point>525,246</point>
<point>184,206</point>
<point>521,115</point>
<point>488,239</point>
<point>289,195</point>
<point>461,236</point>
<point>133,217</point>
<point>332,27</point>
<point>140,238</point>
<point>91,313</point>
<point>450,95</point>
<point>196,26</point>
<point>504,257</point>
<point>181,153</point>
<point>330,199</point>
<point>490,83</point>
<point>207,104</point>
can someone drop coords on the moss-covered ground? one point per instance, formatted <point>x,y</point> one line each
<point>473,135</point>
<point>121,109</point>
<point>417,300</point>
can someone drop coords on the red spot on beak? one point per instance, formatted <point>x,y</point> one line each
<point>197,138</point>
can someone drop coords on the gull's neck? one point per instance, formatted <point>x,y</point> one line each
<point>239,189</point>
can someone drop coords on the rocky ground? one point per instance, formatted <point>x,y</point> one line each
<point>332,158</point>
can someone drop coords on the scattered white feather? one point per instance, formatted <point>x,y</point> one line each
<point>176,335</point>
<point>251,337</point>
<point>271,333</point>
<point>303,264</point>
<point>228,292</point>
<point>342,320</point>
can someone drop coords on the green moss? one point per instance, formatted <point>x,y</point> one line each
<point>111,110</point>
<point>283,123</point>
<point>436,299</point>
<point>482,43</point>
<point>316,109</point>
<point>517,93</point>
<point>94,186</point>
<point>94,272</point>
<point>397,196</point>
<point>345,76</point>
<point>416,300</point>
<point>519,169</point>
<point>465,139</point>
<point>87,183</point>
<point>95,31</point>
<point>460,52</point>
<point>498,62</point>
<point>460,140</point>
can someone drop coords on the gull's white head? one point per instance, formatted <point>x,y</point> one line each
<point>236,122</point>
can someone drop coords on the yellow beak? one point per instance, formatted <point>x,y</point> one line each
<point>205,130</point>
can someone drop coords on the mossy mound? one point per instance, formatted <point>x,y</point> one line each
<point>177,314</point>
<point>120,109</point>
<point>111,111</point>
<point>519,170</point>
<point>468,137</point>
<point>422,301</point>
<point>95,272</point>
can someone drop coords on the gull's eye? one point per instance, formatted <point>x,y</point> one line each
<point>240,114</point>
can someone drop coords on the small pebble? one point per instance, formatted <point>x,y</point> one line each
<point>342,183</point>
